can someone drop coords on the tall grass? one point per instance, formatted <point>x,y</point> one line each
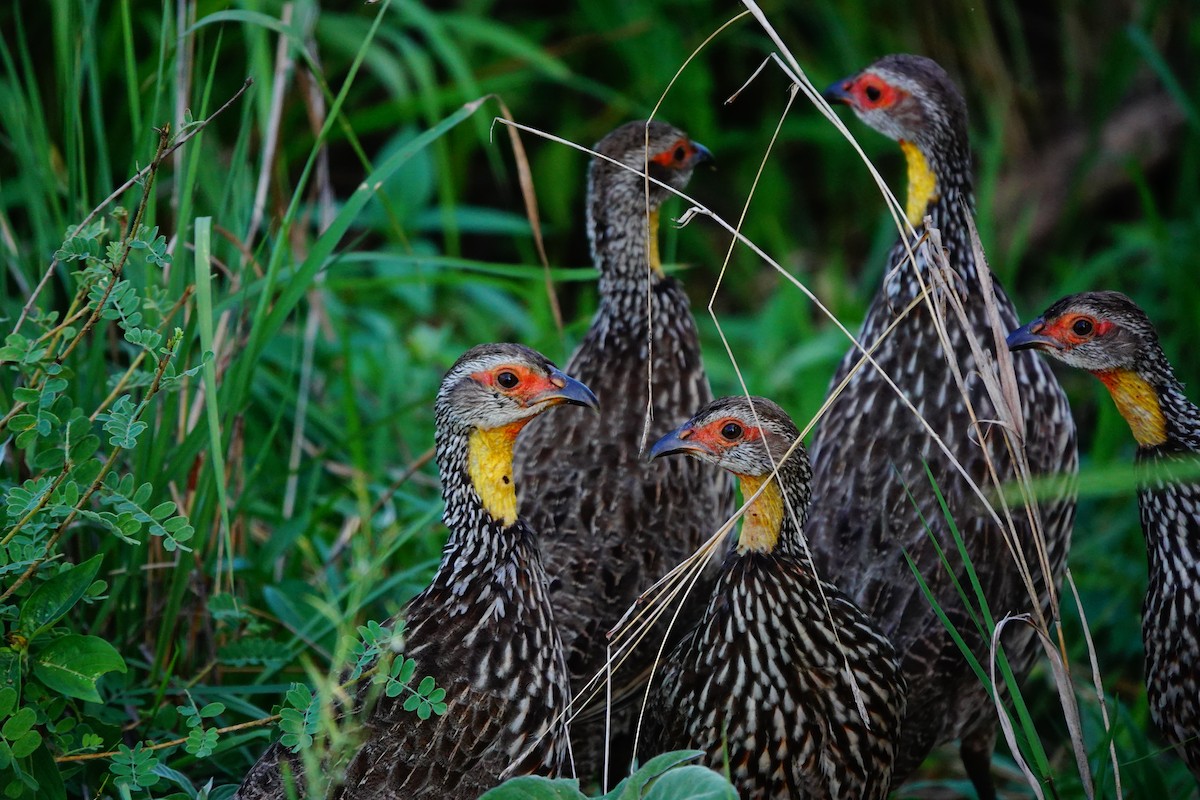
<point>344,229</point>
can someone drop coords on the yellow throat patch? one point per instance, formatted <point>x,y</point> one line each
<point>1138,403</point>
<point>922,184</point>
<point>760,525</point>
<point>490,466</point>
<point>652,254</point>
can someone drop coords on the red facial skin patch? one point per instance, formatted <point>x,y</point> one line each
<point>676,155</point>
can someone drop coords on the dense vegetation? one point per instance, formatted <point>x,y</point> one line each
<point>217,385</point>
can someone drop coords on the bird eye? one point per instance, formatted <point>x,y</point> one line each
<point>731,431</point>
<point>507,379</point>
<point>680,153</point>
<point>873,93</point>
<point>1082,326</point>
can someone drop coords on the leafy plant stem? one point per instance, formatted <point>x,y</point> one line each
<point>164,141</point>
<point>241,726</point>
<point>254,723</point>
<point>8,537</point>
<point>164,360</point>
<point>74,313</point>
<point>137,361</point>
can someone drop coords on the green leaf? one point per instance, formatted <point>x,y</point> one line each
<point>692,783</point>
<point>119,423</point>
<point>19,723</point>
<point>52,387</point>
<point>8,701</point>
<point>134,767</point>
<point>212,710</point>
<point>87,470</point>
<point>163,510</point>
<point>25,744</point>
<point>54,598</point>
<point>535,787</point>
<point>201,743</point>
<point>633,786</point>
<point>72,664</point>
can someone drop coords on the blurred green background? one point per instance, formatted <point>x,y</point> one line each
<point>1087,143</point>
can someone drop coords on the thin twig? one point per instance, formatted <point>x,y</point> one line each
<point>241,726</point>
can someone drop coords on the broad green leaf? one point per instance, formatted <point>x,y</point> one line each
<point>535,787</point>
<point>18,724</point>
<point>54,598</point>
<point>22,422</point>
<point>692,783</point>
<point>26,743</point>
<point>71,665</point>
<point>636,783</point>
<point>212,710</point>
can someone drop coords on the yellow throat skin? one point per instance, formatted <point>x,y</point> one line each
<point>760,525</point>
<point>1138,403</point>
<point>922,184</point>
<point>652,254</point>
<point>490,467</point>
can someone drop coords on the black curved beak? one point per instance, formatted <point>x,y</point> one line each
<point>838,92</point>
<point>675,442</point>
<point>702,155</point>
<point>1029,337</point>
<point>568,390</point>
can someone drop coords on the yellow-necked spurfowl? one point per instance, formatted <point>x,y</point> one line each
<point>610,523</point>
<point>484,629</point>
<point>871,451</point>
<point>765,684</point>
<point>1106,334</point>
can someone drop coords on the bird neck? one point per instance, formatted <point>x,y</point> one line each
<point>477,477</point>
<point>490,468</point>
<point>1152,401</point>
<point>773,521</point>
<point>939,180</point>
<point>623,233</point>
<point>922,184</point>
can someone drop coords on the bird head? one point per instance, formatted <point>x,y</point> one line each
<point>495,386</point>
<point>667,152</point>
<point>912,100</point>
<point>1106,334</point>
<point>745,436</point>
<point>1093,331</point>
<point>486,398</point>
<point>749,437</point>
<point>907,98</point>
